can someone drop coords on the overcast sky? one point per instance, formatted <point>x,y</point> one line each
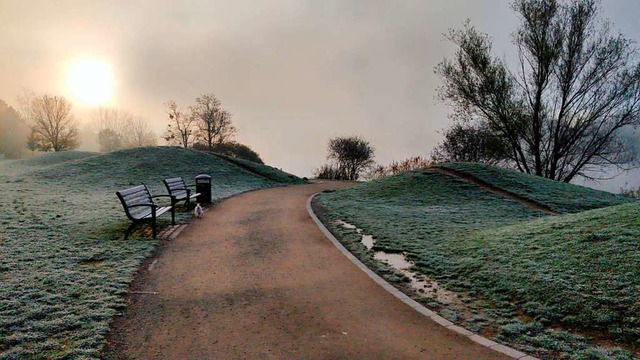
<point>292,72</point>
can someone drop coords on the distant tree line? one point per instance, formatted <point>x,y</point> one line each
<point>45,123</point>
<point>205,125</point>
<point>13,132</point>
<point>561,111</point>
<point>118,129</point>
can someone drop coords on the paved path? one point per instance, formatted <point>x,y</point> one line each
<point>257,279</point>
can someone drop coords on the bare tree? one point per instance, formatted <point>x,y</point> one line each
<point>118,129</point>
<point>112,124</point>
<point>352,154</point>
<point>214,123</point>
<point>181,125</point>
<point>138,134</point>
<point>53,125</point>
<point>562,110</point>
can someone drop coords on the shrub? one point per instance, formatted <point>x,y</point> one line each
<point>330,172</point>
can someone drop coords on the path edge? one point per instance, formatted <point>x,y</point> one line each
<point>513,353</point>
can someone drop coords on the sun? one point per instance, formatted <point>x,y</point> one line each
<point>90,81</point>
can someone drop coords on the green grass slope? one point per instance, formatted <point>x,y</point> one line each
<point>54,158</point>
<point>12,167</point>
<point>558,196</point>
<point>580,271</point>
<point>545,284</point>
<point>269,172</point>
<point>64,269</point>
<point>411,211</point>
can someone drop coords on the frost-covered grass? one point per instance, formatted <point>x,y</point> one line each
<point>267,171</point>
<point>578,271</point>
<point>401,210</point>
<point>64,268</point>
<point>54,158</point>
<point>545,284</point>
<point>13,167</point>
<point>558,196</point>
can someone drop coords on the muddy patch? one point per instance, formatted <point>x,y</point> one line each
<point>420,283</point>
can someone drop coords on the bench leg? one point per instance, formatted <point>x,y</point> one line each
<point>153,223</point>
<point>188,199</point>
<point>126,234</point>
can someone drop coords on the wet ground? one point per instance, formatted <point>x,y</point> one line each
<point>419,282</point>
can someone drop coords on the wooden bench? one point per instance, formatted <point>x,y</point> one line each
<point>179,191</point>
<point>138,205</point>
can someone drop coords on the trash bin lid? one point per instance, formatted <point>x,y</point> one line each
<point>203,176</point>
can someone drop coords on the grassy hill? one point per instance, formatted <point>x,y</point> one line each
<point>553,286</point>
<point>269,172</point>
<point>558,196</point>
<point>64,268</point>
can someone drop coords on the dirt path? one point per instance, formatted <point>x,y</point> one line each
<point>495,190</point>
<point>256,278</point>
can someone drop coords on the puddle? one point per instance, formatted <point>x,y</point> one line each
<point>431,288</point>
<point>367,241</point>
<point>346,225</point>
<point>398,261</point>
<point>420,283</point>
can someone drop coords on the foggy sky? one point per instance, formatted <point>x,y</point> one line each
<point>292,72</point>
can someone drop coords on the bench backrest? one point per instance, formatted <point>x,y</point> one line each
<point>176,187</point>
<point>135,196</point>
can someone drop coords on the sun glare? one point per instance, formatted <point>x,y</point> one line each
<point>90,81</point>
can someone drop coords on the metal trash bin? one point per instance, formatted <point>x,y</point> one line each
<point>203,187</point>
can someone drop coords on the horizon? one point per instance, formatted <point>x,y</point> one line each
<point>292,74</point>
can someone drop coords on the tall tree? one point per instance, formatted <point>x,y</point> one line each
<point>353,155</point>
<point>53,125</point>
<point>575,88</point>
<point>181,125</point>
<point>214,123</point>
<point>13,132</point>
